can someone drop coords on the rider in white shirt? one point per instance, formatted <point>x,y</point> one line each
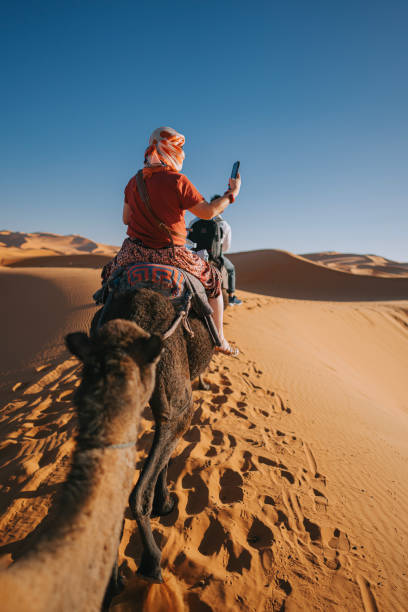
<point>229,266</point>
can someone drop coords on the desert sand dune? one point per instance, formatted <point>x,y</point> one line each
<point>371,265</point>
<point>292,482</point>
<point>17,246</point>
<point>281,274</point>
<point>37,309</point>
<point>58,261</point>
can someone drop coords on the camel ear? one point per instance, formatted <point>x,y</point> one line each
<point>80,345</point>
<point>152,348</point>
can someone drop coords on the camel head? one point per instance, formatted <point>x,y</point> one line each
<point>118,376</point>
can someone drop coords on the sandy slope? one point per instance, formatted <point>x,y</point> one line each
<point>372,265</point>
<point>282,274</point>
<point>19,246</point>
<point>292,483</point>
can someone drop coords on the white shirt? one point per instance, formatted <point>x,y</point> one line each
<point>226,232</point>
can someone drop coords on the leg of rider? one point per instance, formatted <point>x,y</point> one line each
<point>217,304</point>
<point>229,266</point>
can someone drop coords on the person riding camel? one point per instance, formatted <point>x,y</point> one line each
<point>214,237</point>
<point>157,232</point>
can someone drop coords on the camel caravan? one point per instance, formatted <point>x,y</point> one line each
<point>140,348</point>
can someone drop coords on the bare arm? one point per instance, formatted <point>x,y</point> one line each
<point>126,213</point>
<point>209,210</point>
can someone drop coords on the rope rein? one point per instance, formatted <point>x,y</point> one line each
<point>182,318</point>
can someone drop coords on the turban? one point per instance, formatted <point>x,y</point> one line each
<point>165,147</point>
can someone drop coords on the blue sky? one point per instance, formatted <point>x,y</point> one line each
<point>311,96</point>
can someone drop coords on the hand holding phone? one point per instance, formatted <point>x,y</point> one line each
<point>235,169</point>
<point>235,180</point>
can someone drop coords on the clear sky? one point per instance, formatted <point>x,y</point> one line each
<point>310,95</point>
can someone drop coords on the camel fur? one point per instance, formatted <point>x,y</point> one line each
<point>183,358</point>
<point>70,566</point>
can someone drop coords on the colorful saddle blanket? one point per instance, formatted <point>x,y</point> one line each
<point>167,280</point>
<point>179,286</point>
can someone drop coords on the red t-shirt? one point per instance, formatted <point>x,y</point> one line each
<point>171,194</point>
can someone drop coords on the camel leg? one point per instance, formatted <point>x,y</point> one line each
<point>141,498</point>
<point>163,502</point>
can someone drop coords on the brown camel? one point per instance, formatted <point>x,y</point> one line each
<point>70,566</point>
<point>183,358</point>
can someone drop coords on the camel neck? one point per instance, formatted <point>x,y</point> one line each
<point>83,548</point>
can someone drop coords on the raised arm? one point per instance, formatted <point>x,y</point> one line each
<point>209,210</point>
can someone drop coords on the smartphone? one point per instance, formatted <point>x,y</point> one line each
<point>235,169</point>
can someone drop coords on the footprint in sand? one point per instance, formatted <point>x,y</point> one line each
<point>339,541</point>
<point>330,559</point>
<point>248,465</point>
<point>239,557</point>
<point>288,476</point>
<point>197,495</point>
<point>213,538</point>
<point>241,415</point>
<point>192,435</point>
<point>320,500</point>
<point>285,586</point>
<point>220,399</point>
<point>311,461</point>
<point>232,441</point>
<point>260,535</point>
<point>281,404</point>
<point>218,438</point>
<point>231,487</point>
<point>370,605</point>
<point>226,381</point>
<point>268,461</point>
<point>255,442</point>
<point>275,514</point>
<point>313,530</point>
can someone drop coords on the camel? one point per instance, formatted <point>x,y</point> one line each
<point>70,566</point>
<point>183,358</point>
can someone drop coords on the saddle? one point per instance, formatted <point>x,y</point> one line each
<point>183,289</point>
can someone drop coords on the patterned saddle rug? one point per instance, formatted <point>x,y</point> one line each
<point>167,280</point>
<point>179,286</point>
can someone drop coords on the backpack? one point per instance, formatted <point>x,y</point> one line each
<point>208,235</point>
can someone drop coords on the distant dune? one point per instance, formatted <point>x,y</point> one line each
<point>17,247</point>
<point>282,274</point>
<point>372,265</point>
<point>292,482</point>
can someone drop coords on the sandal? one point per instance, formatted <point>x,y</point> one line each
<point>229,350</point>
